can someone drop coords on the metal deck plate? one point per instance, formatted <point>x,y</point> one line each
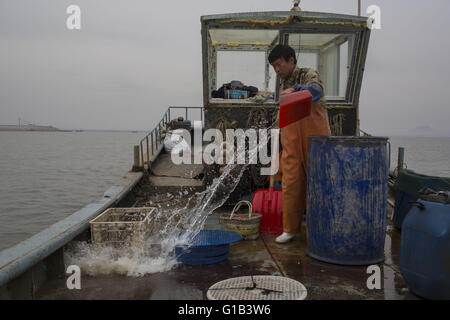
<point>257,288</point>
<point>164,167</point>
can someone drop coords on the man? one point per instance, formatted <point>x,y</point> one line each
<point>294,137</point>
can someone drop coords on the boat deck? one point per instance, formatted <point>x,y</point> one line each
<point>253,257</point>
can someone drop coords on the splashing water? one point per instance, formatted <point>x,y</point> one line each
<point>175,224</point>
<point>175,227</point>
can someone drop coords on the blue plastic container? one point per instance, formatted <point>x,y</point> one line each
<point>208,246</point>
<point>236,94</point>
<point>401,207</point>
<point>347,199</point>
<point>407,186</point>
<point>425,250</point>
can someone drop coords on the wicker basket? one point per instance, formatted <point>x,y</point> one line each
<point>120,226</point>
<point>245,225</point>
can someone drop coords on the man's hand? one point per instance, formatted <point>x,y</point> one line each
<point>287,91</point>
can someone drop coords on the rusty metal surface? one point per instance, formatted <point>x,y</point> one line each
<point>223,118</point>
<point>274,18</point>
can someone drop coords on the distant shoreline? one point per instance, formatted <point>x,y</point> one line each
<point>36,128</point>
<point>29,127</point>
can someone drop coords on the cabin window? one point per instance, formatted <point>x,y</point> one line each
<point>330,55</point>
<point>246,66</point>
<point>241,55</point>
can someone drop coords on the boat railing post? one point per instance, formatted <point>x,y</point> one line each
<point>157,136</point>
<point>136,164</point>
<point>159,133</point>
<point>401,158</point>
<point>148,152</point>
<point>142,154</point>
<point>153,151</point>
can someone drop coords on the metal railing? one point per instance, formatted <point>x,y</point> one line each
<point>151,145</point>
<point>186,112</point>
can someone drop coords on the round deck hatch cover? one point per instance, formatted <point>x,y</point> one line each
<point>257,288</point>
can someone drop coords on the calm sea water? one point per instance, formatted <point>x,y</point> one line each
<point>426,155</point>
<point>46,176</point>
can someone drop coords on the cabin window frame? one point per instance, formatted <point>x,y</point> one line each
<point>355,72</point>
<point>350,91</point>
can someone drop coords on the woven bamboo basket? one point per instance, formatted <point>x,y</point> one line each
<point>245,225</point>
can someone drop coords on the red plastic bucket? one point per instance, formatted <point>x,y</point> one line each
<point>268,202</point>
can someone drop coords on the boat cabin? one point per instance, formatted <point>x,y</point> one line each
<point>235,50</point>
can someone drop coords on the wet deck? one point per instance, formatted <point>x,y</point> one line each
<point>255,257</point>
<point>258,257</point>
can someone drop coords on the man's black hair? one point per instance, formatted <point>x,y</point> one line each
<point>282,51</point>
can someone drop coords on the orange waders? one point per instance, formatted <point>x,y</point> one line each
<point>294,160</point>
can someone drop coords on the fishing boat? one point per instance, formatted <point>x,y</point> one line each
<point>334,44</point>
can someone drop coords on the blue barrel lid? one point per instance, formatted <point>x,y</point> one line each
<point>348,138</point>
<point>213,238</point>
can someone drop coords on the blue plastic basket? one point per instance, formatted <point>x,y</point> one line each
<point>208,246</point>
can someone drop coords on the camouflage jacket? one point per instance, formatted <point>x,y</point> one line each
<point>304,76</point>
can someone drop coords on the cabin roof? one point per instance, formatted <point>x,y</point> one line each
<point>274,18</point>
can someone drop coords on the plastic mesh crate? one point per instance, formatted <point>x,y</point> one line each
<point>120,226</point>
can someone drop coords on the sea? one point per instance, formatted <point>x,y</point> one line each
<point>46,176</point>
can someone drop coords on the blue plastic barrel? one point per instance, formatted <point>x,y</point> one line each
<point>425,250</point>
<point>347,199</point>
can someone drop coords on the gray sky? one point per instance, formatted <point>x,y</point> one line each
<point>132,59</point>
